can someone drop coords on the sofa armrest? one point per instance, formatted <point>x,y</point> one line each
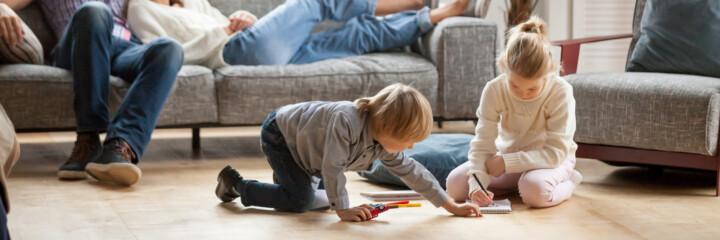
<point>570,50</point>
<point>463,50</point>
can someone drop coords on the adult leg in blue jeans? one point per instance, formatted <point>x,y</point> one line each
<point>292,190</point>
<point>274,38</point>
<point>364,34</point>
<point>90,51</point>
<point>277,37</point>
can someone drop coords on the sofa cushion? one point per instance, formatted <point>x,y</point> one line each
<point>37,96</point>
<point>678,36</point>
<point>667,112</point>
<point>246,94</point>
<point>192,100</point>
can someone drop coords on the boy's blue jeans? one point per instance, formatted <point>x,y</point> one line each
<point>89,50</point>
<point>293,191</point>
<point>283,35</point>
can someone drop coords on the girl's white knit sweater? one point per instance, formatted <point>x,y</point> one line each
<point>530,134</point>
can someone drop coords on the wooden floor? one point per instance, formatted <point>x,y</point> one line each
<point>175,200</point>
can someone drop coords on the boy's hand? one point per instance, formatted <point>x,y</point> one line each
<point>463,210</point>
<point>495,165</point>
<point>357,214</point>
<point>478,197</point>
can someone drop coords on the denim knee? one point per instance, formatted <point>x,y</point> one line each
<point>167,51</point>
<point>304,202</point>
<point>93,17</point>
<point>304,206</point>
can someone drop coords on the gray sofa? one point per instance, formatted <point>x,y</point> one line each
<point>450,66</point>
<point>642,118</point>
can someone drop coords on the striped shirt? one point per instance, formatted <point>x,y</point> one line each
<point>59,12</point>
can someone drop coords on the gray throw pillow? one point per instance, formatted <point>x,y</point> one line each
<point>439,153</point>
<point>678,36</point>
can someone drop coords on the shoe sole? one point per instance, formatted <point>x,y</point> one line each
<point>71,175</point>
<point>120,173</point>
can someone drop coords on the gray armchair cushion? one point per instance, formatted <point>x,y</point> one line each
<point>246,94</point>
<point>463,49</point>
<point>678,36</point>
<point>667,112</point>
<point>192,100</point>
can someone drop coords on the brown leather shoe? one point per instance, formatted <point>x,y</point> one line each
<point>87,147</point>
<point>116,164</point>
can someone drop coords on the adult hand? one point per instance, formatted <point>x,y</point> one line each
<point>463,210</point>
<point>240,21</point>
<point>481,199</point>
<point>11,29</point>
<point>356,214</point>
<point>495,165</point>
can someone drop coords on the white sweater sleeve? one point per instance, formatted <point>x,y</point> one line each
<point>146,22</point>
<point>482,147</point>
<point>143,21</point>
<point>560,115</point>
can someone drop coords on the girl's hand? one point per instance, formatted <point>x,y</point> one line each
<point>495,165</point>
<point>463,210</point>
<point>356,214</point>
<point>478,197</point>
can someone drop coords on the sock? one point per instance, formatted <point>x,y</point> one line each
<point>321,200</point>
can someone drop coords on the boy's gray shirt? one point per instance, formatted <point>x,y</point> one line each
<point>328,138</point>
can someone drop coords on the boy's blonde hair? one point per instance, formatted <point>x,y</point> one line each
<point>528,52</point>
<point>399,112</point>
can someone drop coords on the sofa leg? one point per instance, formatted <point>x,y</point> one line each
<point>717,184</point>
<point>655,171</point>
<point>196,141</point>
<point>440,123</point>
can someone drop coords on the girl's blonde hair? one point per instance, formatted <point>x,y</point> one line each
<point>528,52</point>
<point>399,112</point>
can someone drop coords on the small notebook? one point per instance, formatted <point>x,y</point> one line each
<point>498,206</point>
<point>392,195</point>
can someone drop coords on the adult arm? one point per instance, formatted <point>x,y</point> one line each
<point>16,5</point>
